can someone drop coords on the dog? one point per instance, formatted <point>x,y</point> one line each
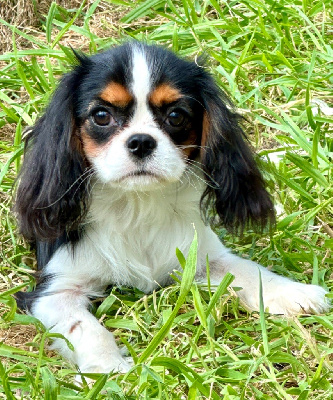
<point>136,148</point>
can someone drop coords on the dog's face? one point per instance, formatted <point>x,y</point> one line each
<point>136,117</point>
<point>140,123</point>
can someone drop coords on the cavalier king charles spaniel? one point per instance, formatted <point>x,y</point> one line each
<point>136,148</point>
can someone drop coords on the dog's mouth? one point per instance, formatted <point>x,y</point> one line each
<point>139,173</point>
<point>142,173</point>
<point>140,180</point>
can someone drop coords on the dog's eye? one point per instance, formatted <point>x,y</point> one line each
<point>102,117</point>
<point>176,118</point>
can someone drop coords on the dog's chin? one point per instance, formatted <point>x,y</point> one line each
<point>142,181</point>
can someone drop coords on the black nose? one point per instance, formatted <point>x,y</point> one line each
<point>141,145</point>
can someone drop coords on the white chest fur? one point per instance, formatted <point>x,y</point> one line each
<point>136,233</point>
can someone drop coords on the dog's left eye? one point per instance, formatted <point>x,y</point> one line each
<point>102,117</point>
<point>176,118</point>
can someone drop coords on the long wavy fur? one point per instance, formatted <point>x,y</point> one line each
<point>50,196</point>
<point>235,189</point>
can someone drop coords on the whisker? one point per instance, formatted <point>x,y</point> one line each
<point>189,146</point>
<point>195,162</point>
<point>201,179</point>
<point>193,98</point>
<point>91,188</point>
<point>85,175</point>
<point>190,182</point>
<point>205,173</point>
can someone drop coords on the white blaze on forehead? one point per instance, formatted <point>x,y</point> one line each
<point>140,75</point>
<point>141,83</point>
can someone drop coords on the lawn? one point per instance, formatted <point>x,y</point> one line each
<point>275,60</point>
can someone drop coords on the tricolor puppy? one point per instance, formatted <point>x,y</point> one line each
<point>136,147</point>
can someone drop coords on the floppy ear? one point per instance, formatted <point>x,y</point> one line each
<point>235,187</point>
<point>51,191</point>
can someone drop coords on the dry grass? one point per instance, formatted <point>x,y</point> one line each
<point>25,16</point>
<point>18,336</point>
<point>22,14</point>
<point>7,133</point>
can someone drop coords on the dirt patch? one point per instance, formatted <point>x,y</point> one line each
<point>7,133</point>
<point>18,336</point>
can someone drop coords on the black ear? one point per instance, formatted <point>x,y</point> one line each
<point>50,196</point>
<point>235,187</point>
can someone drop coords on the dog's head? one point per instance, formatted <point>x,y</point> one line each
<point>137,116</point>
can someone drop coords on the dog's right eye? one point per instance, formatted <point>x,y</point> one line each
<point>176,118</point>
<point>102,117</point>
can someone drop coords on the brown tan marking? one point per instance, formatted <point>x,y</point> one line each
<point>90,147</point>
<point>116,94</point>
<point>205,132</point>
<point>205,129</point>
<point>190,148</point>
<point>164,94</point>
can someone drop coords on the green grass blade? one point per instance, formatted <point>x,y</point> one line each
<point>190,374</point>
<point>142,10</point>
<point>185,287</point>
<point>50,386</point>
<point>308,169</point>
<point>68,25</point>
<point>263,318</point>
<point>49,21</point>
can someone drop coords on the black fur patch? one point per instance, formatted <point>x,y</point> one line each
<point>25,300</point>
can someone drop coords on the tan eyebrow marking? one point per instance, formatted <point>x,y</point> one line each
<point>116,94</point>
<point>164,94</point>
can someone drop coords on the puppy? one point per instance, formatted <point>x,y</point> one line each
<point>136,147</point>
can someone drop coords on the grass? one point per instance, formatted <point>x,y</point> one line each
<point>275,59</point>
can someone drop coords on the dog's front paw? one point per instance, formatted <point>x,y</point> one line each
<point>112,363</point>
<point>117,363</point>
<point>294,298</point>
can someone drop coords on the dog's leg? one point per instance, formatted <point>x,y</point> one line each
<point>61,303</point>
<point>65,312</point>
<point>280,295</point>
